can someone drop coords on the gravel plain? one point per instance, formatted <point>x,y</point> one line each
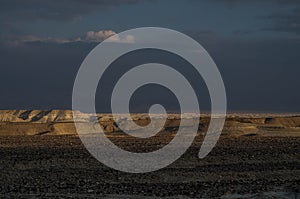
<point>238,167</point>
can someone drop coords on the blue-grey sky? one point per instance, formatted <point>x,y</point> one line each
<point>255,44</point>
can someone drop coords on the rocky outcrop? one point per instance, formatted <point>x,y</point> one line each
<point>58,122</point>
<point>37,116</point>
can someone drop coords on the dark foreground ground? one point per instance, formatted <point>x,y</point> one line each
<point>60,167</point>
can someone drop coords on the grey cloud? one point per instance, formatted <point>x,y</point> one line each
<point>57,10</point>
<point>89,37</point>
<point>244,32</point>
<point>235,2</point>
<point>16,12</point>
<point>287,20</point>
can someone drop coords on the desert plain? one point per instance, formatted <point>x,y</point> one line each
<point>257,156</point>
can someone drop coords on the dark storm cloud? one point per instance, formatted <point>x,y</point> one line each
<point>39,75</point>
<point>38,65</point>
<point>259,75</point>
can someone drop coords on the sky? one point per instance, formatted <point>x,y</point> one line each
<point>255,45</point>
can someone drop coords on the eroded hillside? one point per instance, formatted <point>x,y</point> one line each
<point>58,122</point>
